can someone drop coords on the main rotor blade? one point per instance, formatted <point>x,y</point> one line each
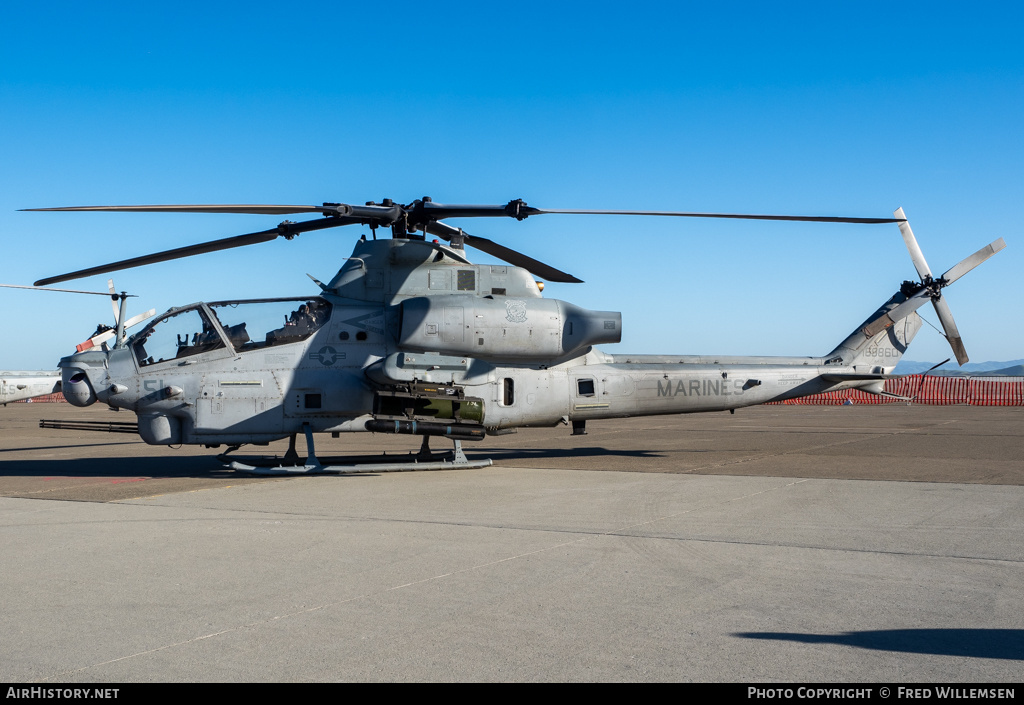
<point>735,216</point>
<point>949,326</point>
<point>516,259</point>
<point>177,253</point>
<point>214,208</point>
<point>520,210</point>
<point>67,291</point>
<point>377,214</point>
<point>422,211</point>
<point>227,243</point>
<point>915,251</point>
<point>969,263</point>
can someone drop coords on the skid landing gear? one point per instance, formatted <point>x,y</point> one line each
<point>425,459</point>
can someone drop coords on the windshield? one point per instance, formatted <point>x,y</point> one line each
<point>251,325</point>
<point>175,336</point>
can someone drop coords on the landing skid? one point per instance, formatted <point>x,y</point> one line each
<point>425,459</point>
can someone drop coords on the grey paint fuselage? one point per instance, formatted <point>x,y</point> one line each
<point>483,329</point>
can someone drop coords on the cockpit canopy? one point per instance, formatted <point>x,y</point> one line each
<point>242,325</point>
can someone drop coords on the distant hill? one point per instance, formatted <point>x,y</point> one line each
<point>1013,368</point>
<point>1015,371</point>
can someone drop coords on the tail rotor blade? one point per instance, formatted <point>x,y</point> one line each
<point>100,338</point>
<point>932,288</point>
<point>136,320</point>
<point>896,314</point>
<point>95,341</point>
<point>969,263</point>
<point>113,301</point>
<point>949,326</point>
<point>915,251</point>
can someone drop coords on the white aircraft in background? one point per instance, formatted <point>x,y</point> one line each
<point>21,384</point>
<point>18,385</point>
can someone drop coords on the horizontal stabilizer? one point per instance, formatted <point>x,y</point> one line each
<point>873,383</point>
<point>839,377</point>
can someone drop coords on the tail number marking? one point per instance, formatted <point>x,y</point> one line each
<point>882,352</point>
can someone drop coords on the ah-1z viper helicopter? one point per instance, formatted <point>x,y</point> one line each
<point>410,337</point>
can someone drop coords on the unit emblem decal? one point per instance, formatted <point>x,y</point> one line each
<point>515,311</point>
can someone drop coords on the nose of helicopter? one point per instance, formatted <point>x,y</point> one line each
<point>81,375</point>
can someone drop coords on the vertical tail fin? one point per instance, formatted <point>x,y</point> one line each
<point>879,342</point>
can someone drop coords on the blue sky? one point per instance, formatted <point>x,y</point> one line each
<point>805,108</point>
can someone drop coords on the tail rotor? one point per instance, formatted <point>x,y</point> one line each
<point>930,288</point>
<point>103,333</point>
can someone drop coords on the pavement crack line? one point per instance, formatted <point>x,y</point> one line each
<point>262,622</point>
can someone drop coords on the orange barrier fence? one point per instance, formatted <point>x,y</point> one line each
<point>45,398</point>
<point>930,389</point>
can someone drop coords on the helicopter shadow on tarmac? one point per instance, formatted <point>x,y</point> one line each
<point>195,466</point>
<point>126,477</point>
<point>132,467</point>
<point>973,643</point>
<point>99,477</point>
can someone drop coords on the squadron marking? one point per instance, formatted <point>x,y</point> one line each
<point>700,387</point>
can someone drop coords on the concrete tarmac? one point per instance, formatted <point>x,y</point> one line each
<point>795,544</point>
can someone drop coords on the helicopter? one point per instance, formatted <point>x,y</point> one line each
<point>22,385</point>
<point>410,337</point>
